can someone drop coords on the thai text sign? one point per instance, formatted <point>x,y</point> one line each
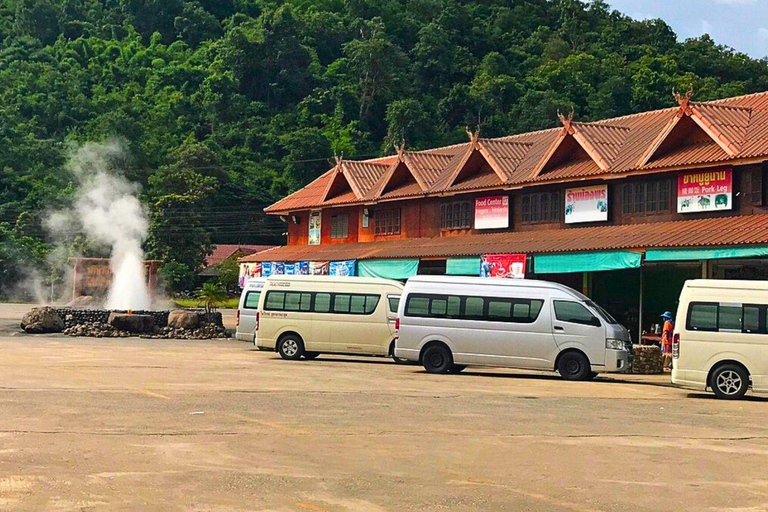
<point>492,212</point>
<point>586,204</point>
<point>503,265</point>
<point>314,228</point>
<point>704,191</point>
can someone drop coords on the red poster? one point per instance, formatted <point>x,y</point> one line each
<point>703,191</point>
<point>492,212</point>
<point>503,265</point>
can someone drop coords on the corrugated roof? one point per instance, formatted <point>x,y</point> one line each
<point>223,251</point>
<point>711,232</point>
<point>617,145</point>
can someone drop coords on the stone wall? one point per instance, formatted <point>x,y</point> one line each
<point>74,316</point>
<point>647,360</point>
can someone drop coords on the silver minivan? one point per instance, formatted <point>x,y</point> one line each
<point>446,323</point>
<point>247,309</point>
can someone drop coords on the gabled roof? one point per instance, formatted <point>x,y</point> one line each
<point>729,131</point>
<point>352,180</point>
<point>724,125</point>
<point>600,143</point>
<point>222,252</point>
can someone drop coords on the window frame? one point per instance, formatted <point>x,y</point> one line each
<point>387,221</point>
<point>762,318</point>
<point>542,207</point>
<point>455,215</point>
<point>598,322</point>
<point>248,294</point>
<point>648,197</point>
<point>462,308</point>
<point>337,224</point>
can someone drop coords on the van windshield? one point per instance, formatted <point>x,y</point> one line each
<point>603,313</point>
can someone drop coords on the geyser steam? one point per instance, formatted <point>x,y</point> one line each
<point>107,209</point>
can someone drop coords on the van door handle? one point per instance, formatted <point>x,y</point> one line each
<point>558,328</point>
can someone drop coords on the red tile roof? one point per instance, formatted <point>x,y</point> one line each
<point>223,251</point>
<point>712,232</point>
<point>737,127</point>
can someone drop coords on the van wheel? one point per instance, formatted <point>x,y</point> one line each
<point>592,376</point>
<point>290,347</point>
<point>574,366</point>
<point>729,382</point>
<point>437,359</point>
<point>457,368</point>
<point>311,355</point>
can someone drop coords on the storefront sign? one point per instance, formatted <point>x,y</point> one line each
<point>503,265</point>
<point>492,212</point>
<point>705,191</point>
<point>248,271</point>
<point>586,204</point>
<point>342,268</point>
<point>314,228</point>
<point>300,268</point>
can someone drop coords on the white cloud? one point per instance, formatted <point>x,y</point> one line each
<point>762,32</point>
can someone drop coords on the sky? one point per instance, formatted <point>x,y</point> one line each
<point>740,24</point>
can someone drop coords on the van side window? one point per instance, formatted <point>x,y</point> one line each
<point>473,308</point>
<point>417,306</point>
<point>252,300</point>
<point>702,316</point>
<point>394,303</point>
<point>752,319</point>
<point>492,309</point>
<point>322,303</point>
<point>275,301</point>
<point>575,313</point>
<point>729,317</point>
<point>296,301</point>
<point>341,303</point>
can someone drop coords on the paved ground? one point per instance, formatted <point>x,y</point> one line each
<point>176,426</point>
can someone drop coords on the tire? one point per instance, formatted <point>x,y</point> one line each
<point>729,382</point>
<point>311,355</point>
<point>592,376</point>
<point>457,368</point>
<point>437,359</point>
<point>574,366</point>
<point>290,347</point>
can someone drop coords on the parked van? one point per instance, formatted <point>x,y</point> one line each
<point>248,308</point>
<point>721,337</point>
<point>447,323</point>
<point>304,316</point>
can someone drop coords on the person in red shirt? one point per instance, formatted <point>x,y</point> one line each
<point>667,334</point>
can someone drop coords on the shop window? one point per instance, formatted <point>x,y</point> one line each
<point>387,222</point>
<point>456,215</point>
<point>543,207</point>
<point>340,226</point>
<point>647,197</point>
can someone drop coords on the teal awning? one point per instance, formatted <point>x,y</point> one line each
<point>390,269</point>
<point>705,254</point>
<point>463,266</point>
<point>585,262</point>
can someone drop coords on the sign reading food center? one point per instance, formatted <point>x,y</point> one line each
<point>704,191</point>
<point>586,204</point>
<point>492,212</point>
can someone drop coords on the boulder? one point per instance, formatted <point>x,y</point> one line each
<point>42,320</point>
<point>84,301</point>
<point>183,319</point>
<point>131,323</point>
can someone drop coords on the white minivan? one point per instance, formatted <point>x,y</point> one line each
<point>446,323</point>
<point>304,316</point>
<point>721,337</point>
<point>248,308</point>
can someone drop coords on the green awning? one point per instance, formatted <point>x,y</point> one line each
<point>705,254</point>
<point>389,269</point>
<point>585,262</point>
<point>462,266</point>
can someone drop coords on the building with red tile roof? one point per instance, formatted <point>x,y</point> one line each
<point>645,200</point>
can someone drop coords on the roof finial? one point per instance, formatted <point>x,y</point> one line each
<point>473,136</point>
<point>683,99</point>
<point>339,158</point>
<point>400,148</point>
<point>566,120</point>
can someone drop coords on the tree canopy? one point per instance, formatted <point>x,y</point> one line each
<point>227,105</point>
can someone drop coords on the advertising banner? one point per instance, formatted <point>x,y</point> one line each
<point>342,268</point>
<point>319,268</point>
<point>247,271</point>
<point>266,269</point>
<point>503,265</point>
<point>314,228</point>
<point>704,191</point>
<point>492,212</point>
<point>586,204</point>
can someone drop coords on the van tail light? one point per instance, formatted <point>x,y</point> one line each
<point>397,323</point>
<point>676,346</point>
<point>257,321</point>
<point>238,318</point>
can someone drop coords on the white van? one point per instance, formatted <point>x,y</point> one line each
<point>447,323</point>
<point>304,316</point>
<point>248,308</point>
<point>721,337</point>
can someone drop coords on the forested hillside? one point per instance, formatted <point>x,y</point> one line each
<point>227,105</point>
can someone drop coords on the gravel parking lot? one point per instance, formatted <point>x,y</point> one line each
<point>133,424</point>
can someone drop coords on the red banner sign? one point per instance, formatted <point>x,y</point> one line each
<point>704,191</point>
<point>503,265</point>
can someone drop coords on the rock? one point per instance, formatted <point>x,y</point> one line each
<point>131,323</point>
<point>647,359</point>
<point>42,320</point>
<point>85,301</point>
<point>183,319</point>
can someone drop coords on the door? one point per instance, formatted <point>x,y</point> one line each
<point>247,326</point>
<point>574,325</point>
<point>393,301</point>
<point>518,332</point>
<point>322,319</point>
<point>360,324</point>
